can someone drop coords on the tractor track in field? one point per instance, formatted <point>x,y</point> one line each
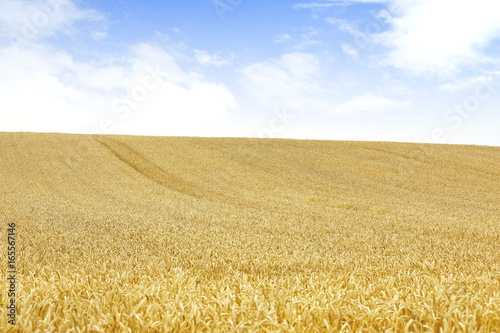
<point>148,169</point>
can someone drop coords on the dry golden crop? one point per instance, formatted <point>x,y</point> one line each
<point>155,234</point>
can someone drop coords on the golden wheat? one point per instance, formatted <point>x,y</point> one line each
<point>150,234</point>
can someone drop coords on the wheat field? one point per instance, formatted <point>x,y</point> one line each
<point>177,234</point>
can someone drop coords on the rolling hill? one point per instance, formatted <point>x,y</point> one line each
<point>231,234</point>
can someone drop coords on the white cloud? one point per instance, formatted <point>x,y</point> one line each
<point>65,95</point>
<point>38,92</point>
<point>176,109</point>
<point>43,88</point>
<point>367,102</point>
<point>440,36</point>
<point>181,101</point>
<point>430,36</point>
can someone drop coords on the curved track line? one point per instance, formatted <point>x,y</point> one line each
<point>148,169</point>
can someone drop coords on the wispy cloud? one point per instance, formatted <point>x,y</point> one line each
<point>310,5</point>
<point>471,82</point>
<point>331,3</point>
<point>281,38</point>
<point>349,51</point>
<point>310,37</point>
<point>368,102</point>
<point>293,81</point>
<point>32,20</point>
<point>206,59</point>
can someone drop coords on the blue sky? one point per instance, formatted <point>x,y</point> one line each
<point>385,70</point>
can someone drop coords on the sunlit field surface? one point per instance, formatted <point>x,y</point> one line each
<point>151,234</point>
